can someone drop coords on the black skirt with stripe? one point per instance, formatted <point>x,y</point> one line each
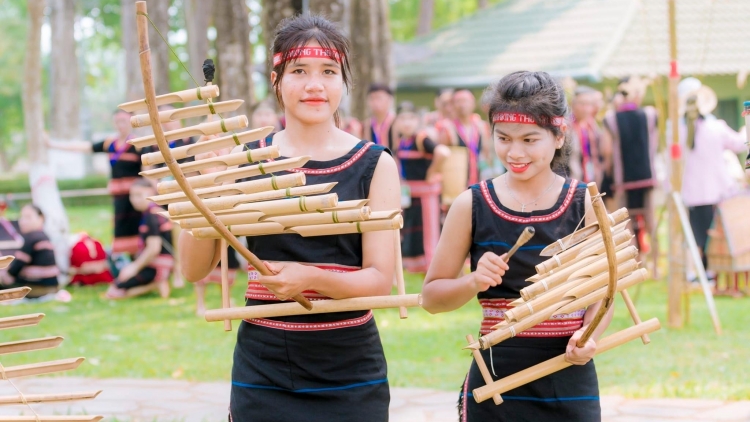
<point>322,367</point>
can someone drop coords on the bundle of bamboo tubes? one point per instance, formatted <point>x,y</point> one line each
<point>221,204</point>
<point>41,368</point>
<point>584,268</point>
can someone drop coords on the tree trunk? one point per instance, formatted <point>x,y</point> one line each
<point>234,53</point>
<point>333,10</point>
<point>371,45</point>
<point>272,13</point>
<point>426,12</point>
<point>65,104</point>
<point>158,11</point>
<point>197,16</point>
<point>44,191</point>
<point>482,4</point>
<point>133,82</point>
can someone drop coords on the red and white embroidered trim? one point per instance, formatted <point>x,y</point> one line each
<point>557,326</point>
<point>257,291</point>
<point>308,52</point>
<point>311,326</point>
<point>535,219</point>
<point>335,169</point>
<point>526,119</point>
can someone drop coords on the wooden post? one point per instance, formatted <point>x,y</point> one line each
<point>225,282</point>
<point>676,239</point>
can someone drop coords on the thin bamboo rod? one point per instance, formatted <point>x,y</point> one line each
<point>41,368</point>
<point>48,398</point>
<point>559,363</point>
<point>140,120</point>
<point>185,96</point>
<point>395,223</point>
<point>30,345</point>
<point>229,160</point>
<point>253,186</point>
<point>572,239</point>
<point>403,313</point>
<point>213,179</point>
<point>482,365</point>
<point>633,313</point>
<point>227,202</point>
<point>526,235</point>
<point>20,321</point>
<point>202,129</point>
<point>321,306</point>
<point>192,150</point>
<point>148,88</point>
<point>284,206</point>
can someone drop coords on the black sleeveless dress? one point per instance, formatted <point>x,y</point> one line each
<point>568,395</point>
<point>323,367</point>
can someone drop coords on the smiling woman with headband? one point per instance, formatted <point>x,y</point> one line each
<point>323,367</point>
<point>527,112</point>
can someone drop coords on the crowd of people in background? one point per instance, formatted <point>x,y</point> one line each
<point>614,144</point>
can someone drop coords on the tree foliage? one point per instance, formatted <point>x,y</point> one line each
<point>405,15</point>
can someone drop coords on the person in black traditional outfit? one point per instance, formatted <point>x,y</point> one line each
<point>125,160</point>
<point>324,367</point>
<point>35,264</point>
<point>530,135</point>
<point>379,127</point>
<point>420,161</point>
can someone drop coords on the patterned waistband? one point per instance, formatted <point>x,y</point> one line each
<point>311,326</point>
<point>257,291</point>
<point>563,325</point>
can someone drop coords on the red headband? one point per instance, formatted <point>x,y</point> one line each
<point>525,119</point>
<point>314,52</point>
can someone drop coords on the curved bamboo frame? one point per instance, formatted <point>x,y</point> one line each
<point>151,103</point>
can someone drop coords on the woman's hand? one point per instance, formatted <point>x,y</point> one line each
<point>289,279</point>
<point>579,355</point>
<point>489,273</point>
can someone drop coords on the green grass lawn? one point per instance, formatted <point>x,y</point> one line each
<point>150,337</point>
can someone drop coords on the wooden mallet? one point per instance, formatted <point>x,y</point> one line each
<point>526,235</point>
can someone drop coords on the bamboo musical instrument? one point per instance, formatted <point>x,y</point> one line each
<point>5,261</point>
<point>321,306</point>
<point>212,179</point>
<point>165,116</point>
<point>482,365</point>
<point>559,363</point>
<point>15,293</point>
<point>252,186</point>
<point>572,239</point>
<point>192,150</point>
<point>203,129</point>
<point>230,160</point>
<point>20,321</point>
<point>403,312</point>
<point>591,246</point>
<point>48,398</point>
<point>526,235</point>
<point>51,418</point>
<point>30,345</point>
<point>224,265</point>
<point>204,92</point>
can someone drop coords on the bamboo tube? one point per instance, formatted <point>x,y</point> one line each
<point>148,88</point>
<point>566,267</point>
<point>384,215</point>
<point>48,398</point>
<point>588,266</point>
<point>30,345</point>
<point>578,251</point>
<point>42,368</point>
<point>225,282</point>
<point>403,313</point>
<point>572,239</point>
<point>526,235</point>
<point>637,276</point>
<point>213,179</point>
<point>20,321</point>
<point>633,313</point>
<point>247,213</point>
<point>321,306</point>
<point>202,129</point>
<point>42,418</point>
<point>228,202</point>
<point>395,223</point>
<point>140,120</point>
<point>278,207</point>
<point>253,186</point>
<point>483,369</point>
<point>192,150</point>
<point>5,261</point>
<point>257,229</point>
<point>229,160</point>
<point>559,363</point>
<point>576,287</point>
<point>204,92</point>
<point>327,217</point>
<point>12,294</point>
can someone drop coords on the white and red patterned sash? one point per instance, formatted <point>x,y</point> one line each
<point>257,291</point>
<point>563,325</point>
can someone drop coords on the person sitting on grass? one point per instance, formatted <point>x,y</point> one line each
<point>150,270</point>
<point>35,264</point>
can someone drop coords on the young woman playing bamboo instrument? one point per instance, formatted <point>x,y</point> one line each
<point>320,367</point>
<point>528,113</point>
